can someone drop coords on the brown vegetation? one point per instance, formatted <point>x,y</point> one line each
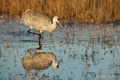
<point>84,10</point>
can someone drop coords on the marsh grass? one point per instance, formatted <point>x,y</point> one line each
<point>83,10</point>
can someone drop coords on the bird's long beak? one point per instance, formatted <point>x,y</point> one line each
<point>60,25</point>
<point>60,61</point>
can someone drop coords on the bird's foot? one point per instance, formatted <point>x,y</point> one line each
<point>29,31</point>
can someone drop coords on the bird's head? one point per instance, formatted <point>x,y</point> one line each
<point>56,65</point>
<point>57,19</point>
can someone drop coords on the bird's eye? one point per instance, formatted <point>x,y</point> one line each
<point>58,19</point>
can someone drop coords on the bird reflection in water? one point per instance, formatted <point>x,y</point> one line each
<point>40,61</point>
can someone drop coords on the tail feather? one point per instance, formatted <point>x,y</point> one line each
<point>28,10</point>
<point>22,19</point>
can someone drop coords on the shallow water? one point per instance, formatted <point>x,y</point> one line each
<point>88,51</point>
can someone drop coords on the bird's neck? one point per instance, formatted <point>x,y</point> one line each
<point>54,64</point>
<point>54,23</point>
<point>53,26</point>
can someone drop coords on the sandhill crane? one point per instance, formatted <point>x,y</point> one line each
<point>40,61</point>
<point>39,21</point>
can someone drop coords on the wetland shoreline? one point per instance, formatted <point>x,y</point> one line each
<point>83,10</point>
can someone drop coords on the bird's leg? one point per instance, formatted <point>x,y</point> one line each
<point>40,45</point>
<point>29,31</point>
<point>40,36</point>
<point>33,32</point>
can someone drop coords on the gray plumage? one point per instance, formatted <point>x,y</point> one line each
<point>39,21</point>
<point>40,61</point>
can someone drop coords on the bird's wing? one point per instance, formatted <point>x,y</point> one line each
<point>35,18</point>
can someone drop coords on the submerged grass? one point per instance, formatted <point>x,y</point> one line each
<point>84,10</point>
